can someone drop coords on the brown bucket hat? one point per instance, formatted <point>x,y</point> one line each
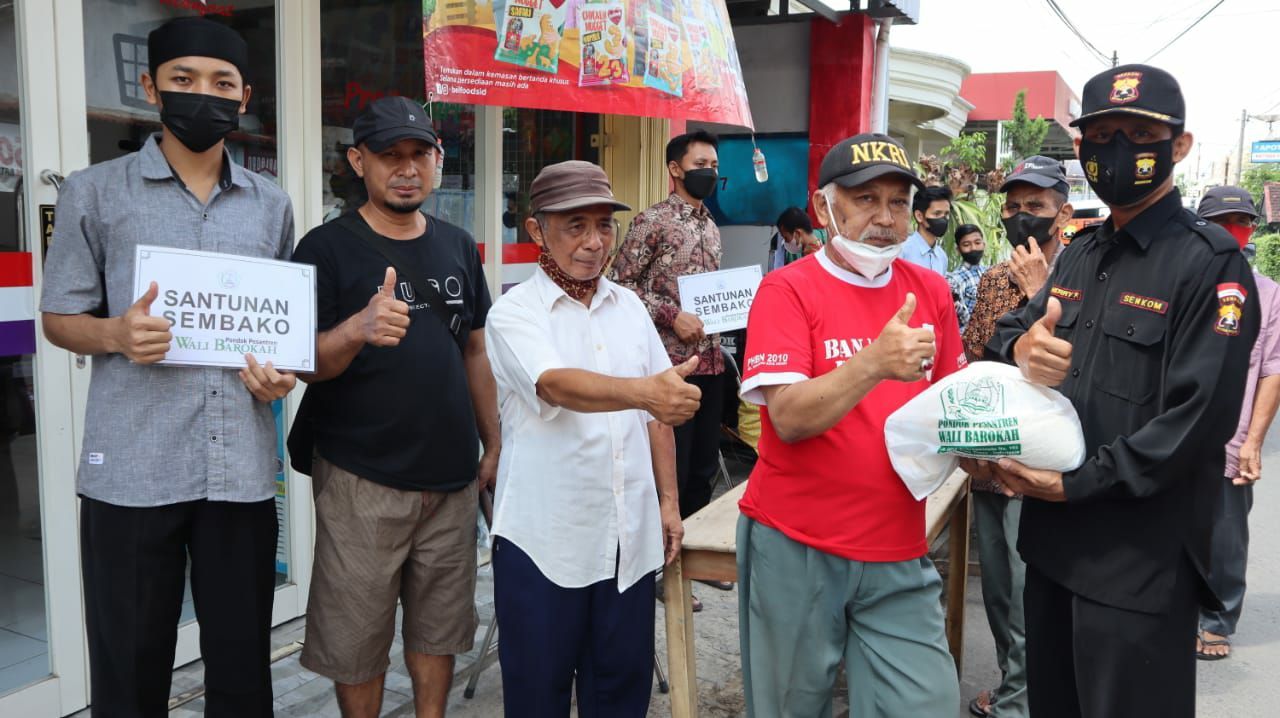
<point>571,185</point>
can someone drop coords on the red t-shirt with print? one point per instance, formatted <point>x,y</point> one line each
<point>837,492</point>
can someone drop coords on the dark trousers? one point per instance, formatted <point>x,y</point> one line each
<point>1228,559</point>
<point>1088,660</point>
<point>552,636</point>
<point>698,446</point>
<point>135,563</point>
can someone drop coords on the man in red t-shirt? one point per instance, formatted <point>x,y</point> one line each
<point>831,544</point>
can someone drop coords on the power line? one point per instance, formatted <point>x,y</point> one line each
<point>1184,32</point>
<point>1057,11</point>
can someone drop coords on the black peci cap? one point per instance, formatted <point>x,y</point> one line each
<point>860,159</point>
<point>196,37</point>
<point>1140,90</point>
<point>387,120</point>
<point>1039,171</point>
<point>1226,200</point>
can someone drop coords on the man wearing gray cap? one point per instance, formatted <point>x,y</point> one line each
<point>392,422</point>
<point>587,506</point>
<point>1232,209</point>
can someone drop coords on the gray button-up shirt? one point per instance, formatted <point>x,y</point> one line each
<point>157,435</point>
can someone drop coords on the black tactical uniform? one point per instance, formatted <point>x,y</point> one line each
<point>1161,315</point>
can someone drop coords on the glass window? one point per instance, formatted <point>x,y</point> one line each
<point>120,120</point>
<point>531,140</point>
<point>371,50</point>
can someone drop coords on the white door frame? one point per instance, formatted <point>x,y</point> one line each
<point>54,137</point>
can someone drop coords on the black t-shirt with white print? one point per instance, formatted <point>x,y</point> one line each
<point>400,416</point>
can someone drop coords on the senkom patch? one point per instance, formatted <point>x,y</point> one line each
<point>1231,299</point>
<point>1137,301</point>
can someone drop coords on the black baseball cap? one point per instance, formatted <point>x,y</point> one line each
<point>1039,171</point>
<point>388,120</point>
<point>1140,90</point>
<point>1227,199</point>
<point>864,157</point>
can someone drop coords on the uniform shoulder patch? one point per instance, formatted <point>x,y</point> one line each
<point>1231,299</point>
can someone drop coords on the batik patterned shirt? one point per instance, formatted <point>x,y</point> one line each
<point>667,241</point>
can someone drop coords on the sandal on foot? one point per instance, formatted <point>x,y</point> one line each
<point>1203,643</point>
<point>981,706</point>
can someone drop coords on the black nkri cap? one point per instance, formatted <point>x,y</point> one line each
<point>388,120</point>
<point>1140,90</point>
<point>860,159</point>
<point>196,37</point>
<point>1039,171</point>
<point>1226,200</point>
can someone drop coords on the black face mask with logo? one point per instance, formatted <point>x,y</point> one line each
<point>701,183</point>
<point>1122,172</point>
<point>199,121</point>
<point>1021,227</point>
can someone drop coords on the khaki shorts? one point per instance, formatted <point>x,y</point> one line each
<point>375,545</point>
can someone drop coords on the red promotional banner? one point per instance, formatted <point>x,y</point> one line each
<point>652,58</point>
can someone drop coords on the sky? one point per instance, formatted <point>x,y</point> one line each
<point>1227,63</point>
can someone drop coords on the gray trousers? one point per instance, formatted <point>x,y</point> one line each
<point>802,611</point>
<point>1229,556</point>
<point>1003,578</point>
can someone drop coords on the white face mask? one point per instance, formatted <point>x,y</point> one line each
<point>792,246</point>
<point>868,260</point>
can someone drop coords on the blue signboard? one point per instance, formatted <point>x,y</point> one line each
<point>1265,151</point>
<point>742,200</point>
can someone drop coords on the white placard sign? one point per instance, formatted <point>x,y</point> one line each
<point>224,306</point>
<point>721,299</point>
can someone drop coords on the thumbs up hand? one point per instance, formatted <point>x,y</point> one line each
<point>142,338</point>
<point>900,351</point>
<point>385,320</point>
<point>670,399</point>
<point>1043,358</point>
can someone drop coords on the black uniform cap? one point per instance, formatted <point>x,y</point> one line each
<point>862,158</point>
<point>1140,90</point>
<point>197,37</point>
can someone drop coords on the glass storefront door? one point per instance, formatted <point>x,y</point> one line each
<point>120,121</point>
<point>70,96</point>
<point>24,630</point>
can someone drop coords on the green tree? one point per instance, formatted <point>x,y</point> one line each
<point>1024,136</point>
<point>1256,176</point>
<point>1267,259</point>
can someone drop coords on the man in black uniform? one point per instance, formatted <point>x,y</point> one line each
<point>1145,324</point>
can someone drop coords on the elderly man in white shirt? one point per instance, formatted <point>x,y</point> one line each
<point>587,505</point>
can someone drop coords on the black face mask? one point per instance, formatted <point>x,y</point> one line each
<point>701,183</point>
<point>972,257</point>
<point>1021,227</point>
<point>1123,173</point>
<point>937,226</point>
<point>199,121</point>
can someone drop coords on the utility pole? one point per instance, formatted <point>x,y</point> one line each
<point>1244,118</point>
<point>1115,58</point>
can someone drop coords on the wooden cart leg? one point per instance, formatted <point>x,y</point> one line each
<point>680,654</point>
<point>957,576</point>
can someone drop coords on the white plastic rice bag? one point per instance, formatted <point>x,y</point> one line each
<point>985,411</point>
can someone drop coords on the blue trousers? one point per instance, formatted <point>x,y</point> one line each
<point>552,637</point>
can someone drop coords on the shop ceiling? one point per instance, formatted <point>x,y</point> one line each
<point>747,12</point>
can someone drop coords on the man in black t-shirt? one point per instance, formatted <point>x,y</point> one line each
<point>397,409</point>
